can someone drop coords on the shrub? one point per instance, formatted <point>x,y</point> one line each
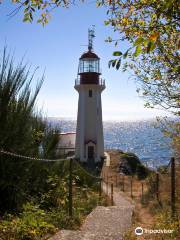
<point>30,225</point>
<point>164,221</point>
<point>142,172</point>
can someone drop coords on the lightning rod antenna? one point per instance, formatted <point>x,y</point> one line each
<point>91,35</point>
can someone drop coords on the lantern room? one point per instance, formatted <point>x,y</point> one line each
<point>89,69</point>
<point>89,64</point>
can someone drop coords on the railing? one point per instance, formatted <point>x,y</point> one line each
<point>164,186</point>
<point>75,171</point>
<point>101,82</point>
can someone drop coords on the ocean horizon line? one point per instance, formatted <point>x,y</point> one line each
<point>112,120</point>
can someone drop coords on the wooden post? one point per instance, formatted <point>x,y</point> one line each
<point>112,194</point>
<point>70,186</point>
<point>107,188</point>
<point>111,179</point>
<point>100,187</point>
<point>157,186</point>
<point>123,184</point>
<point>131,186</point>
<point>173,188</point>
<point>142,192</point>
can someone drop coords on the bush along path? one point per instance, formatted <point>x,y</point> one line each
<point>106,223</point>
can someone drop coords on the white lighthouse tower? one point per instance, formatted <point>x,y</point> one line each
<point>89,131</point>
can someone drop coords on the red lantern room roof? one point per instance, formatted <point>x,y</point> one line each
<point>89,54</point>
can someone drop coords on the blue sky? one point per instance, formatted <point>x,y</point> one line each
<point>56,48</point>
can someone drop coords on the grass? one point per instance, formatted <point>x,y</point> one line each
<point>48,212</point>
<point>35,223</point>
<point>149,213</point>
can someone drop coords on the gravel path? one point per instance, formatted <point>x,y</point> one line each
<point>103,223</point>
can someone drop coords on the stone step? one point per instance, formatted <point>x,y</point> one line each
<point>103,223</point>
<point>82,235</point>
<point>108,219</point>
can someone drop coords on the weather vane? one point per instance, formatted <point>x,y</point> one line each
<point>91,35</point>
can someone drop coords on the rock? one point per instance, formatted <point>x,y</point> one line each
<point>128,164</point>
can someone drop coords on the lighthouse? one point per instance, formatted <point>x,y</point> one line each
<point>89,147</point>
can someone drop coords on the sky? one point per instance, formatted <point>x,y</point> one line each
<point>56,49</point>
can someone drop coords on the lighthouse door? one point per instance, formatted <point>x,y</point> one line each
<point>90,152</point>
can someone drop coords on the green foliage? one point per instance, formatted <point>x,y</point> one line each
<point>117,53</point>
<point>142,172</point>
<point>171,129</point>
<point>134,166</point>
<point>30,225</point>
<point>34,191</point>
<point>56,194</point>
<point>85,201</point>
<point>41,10</point>
<point>152,31</point>
<point>40,219</point>
<point>164,221</point>
<point>163,169</point>
<point>22,131</point>
<point>132,160</point>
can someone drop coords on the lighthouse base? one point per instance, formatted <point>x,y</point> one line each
<point>91,165</point>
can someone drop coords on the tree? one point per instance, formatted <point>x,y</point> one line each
<point>152,29</point>
<point>37,8</point>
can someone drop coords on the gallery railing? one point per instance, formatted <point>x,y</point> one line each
<point>101,82</point>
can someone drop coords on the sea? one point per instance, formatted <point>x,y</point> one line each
<point>143,138</point>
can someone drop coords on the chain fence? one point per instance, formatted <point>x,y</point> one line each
<point>79,180</point>
<point>163,185</point>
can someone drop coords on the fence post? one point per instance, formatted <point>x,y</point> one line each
<point>131,186</point>
<point>107,187</point>
<point>100,187</point>
<point>70,186</point>
<point>173,190</point>
<point>123,184</point>
<point>111,193</point>
<point>142,192</point>
<point>116,180</point>
<point>111,179</point>
<point>157,186</point>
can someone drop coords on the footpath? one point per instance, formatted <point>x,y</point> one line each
<point>103,223</point>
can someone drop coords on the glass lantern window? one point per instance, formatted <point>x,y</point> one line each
<point>89,65</point>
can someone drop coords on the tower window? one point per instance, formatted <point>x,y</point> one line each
<point>90,93</point>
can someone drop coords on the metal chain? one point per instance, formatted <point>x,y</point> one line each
<point>32,158</point>
<point>46,160</point>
